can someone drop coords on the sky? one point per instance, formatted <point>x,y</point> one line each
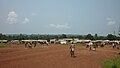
<point>59,17</point>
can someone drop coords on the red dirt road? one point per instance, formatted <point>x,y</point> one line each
<point>53,56</point>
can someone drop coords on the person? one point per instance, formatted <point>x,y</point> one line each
<point>35,43</point>
<point>26,45</point>
<point>72,49</point>
<point>94,48</point>
<point>29,45</point>
<point>96,45</point>
<point>113,45</point>
<point>90,48</point>
<point>90,45</point>
<point>87,45</point>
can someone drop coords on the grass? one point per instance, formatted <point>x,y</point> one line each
<point>112,63</point>
<point>80,44</point>
<point>3,45</point>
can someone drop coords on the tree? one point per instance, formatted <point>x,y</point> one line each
<point>102,38</point>
<point>63,36</point>
<point>111,37</point>
<point>89,36</point>
<point>80,37</point>
<point>96,37</point>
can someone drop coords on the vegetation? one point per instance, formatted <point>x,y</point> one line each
<point>3,44</point>
<point>48,37</point>
<point>80,44</point>
<point>113,63</point>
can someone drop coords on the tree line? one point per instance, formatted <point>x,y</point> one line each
<point>61,36</point>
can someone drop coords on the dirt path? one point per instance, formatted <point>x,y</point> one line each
<point>53,56</point>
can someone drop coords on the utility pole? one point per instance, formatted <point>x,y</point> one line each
<point>114,33</point>
<point>119,30</point>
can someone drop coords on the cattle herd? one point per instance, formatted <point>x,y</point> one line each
<point>92,44</point>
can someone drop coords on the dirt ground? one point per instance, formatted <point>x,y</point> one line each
<point>54,56</point>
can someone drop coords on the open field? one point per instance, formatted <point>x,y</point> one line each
<point>54,56</point>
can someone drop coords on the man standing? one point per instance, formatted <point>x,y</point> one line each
<point>72,49</point>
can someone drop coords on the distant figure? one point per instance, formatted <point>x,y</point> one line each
<point>29,45</point>
<point>25,45</point>
<point>94,48</point>
<point>87,45</point>
<point>102,45</point>
<point>96,45</point>
<point>35,43</point>
<point>113,45</point>
<point>47,43</point>
<point>90,45</point>
<point>72,49</point>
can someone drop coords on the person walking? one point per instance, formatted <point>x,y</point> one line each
<point>72,49</point>
<point>113,45</point>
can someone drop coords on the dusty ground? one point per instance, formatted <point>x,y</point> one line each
<point>53,56</point>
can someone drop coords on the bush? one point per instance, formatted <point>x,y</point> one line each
<point>3,44</point>
<point>113,63</point>
<point>80,44</point>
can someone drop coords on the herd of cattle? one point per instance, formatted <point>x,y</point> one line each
<point>60,41</point>
<point>23,41</point>
<point>28,43</point>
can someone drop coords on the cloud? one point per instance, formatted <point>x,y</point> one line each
<point>110,21</point>
<point>26,20</point>
<point>109,18</point>
<point>59,26</point>
<point>34,14</point>
<point>12,17</point>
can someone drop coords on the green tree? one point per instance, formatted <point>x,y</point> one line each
<point>96,37</point>
<point>81,37</point>
<point>63,36</point>
<point>89,36</point>
<point>111,37</point>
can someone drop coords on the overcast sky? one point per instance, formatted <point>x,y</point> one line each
<point>59,16</point>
